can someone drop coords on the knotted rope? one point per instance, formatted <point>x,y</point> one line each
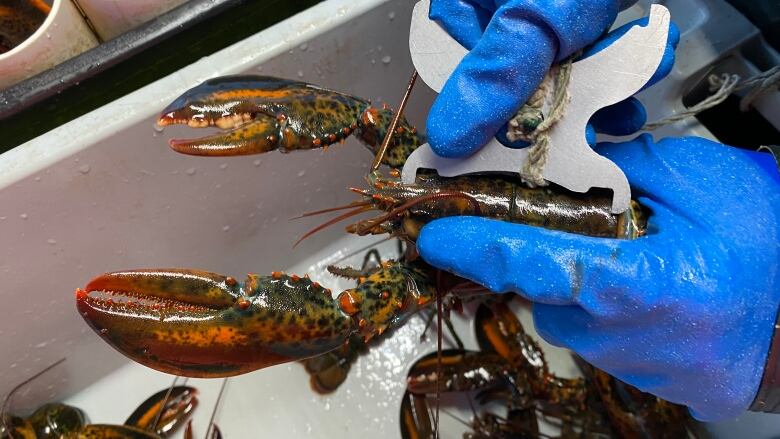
<point>530,124</point>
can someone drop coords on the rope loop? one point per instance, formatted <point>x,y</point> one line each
<point>530,124</point>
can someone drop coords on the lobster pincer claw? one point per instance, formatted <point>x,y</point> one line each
<point>260,113</point>
<point>200,324</point>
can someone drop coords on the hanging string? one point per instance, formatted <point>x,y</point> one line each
<point>721,88</point>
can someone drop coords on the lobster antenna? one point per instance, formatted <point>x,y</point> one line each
<point>394,124</point>
<point>331,222</point>
<point>216,406</point>
<point>22,384</point>
<point>331,209</point>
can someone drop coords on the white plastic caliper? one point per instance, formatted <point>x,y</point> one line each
<point>608,77</point>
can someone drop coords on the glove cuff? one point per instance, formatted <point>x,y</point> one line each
<point>768,397</point>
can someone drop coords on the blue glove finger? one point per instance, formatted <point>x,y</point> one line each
<point>505,67</point>
<point>462,19</point>
<point>543,265</point>
<point>621,119</point>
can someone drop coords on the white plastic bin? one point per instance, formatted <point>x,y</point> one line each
<point>104,192</point>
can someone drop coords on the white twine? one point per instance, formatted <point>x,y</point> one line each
<point>531,173</point>
<point>723,86</point>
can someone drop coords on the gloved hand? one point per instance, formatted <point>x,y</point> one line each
<point>512,45</point>
<point>686,312</point>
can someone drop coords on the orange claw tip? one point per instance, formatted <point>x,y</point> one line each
<point>81,294</point>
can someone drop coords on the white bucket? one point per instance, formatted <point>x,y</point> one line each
<point>63,35</point>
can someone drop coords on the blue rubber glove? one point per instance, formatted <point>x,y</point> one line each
<point>513,44</point>
<point>687,312</point>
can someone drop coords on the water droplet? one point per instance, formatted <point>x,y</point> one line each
<point>51,241</point>
<point>2,218</point>
<point>300,73</point>
<point>257,162</point>
<point>373,61</point>
<point>84,169</point>
<point>190,171</point>
<point>386,59</point>
<point>301,173</point>
<point>223,166</point>
<point>23,216</point>
<point>391,15</point>
<point>158,128</point>
<point>303,46</point>
<point>378,48</point>
<point>38,178</point>
<point>225,228</point>
<point>218,186</point>
<point>259,68</point>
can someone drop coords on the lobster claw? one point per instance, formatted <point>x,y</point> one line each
<point>260,114</point>
<point>254,137</point>
<point>199,324</point>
